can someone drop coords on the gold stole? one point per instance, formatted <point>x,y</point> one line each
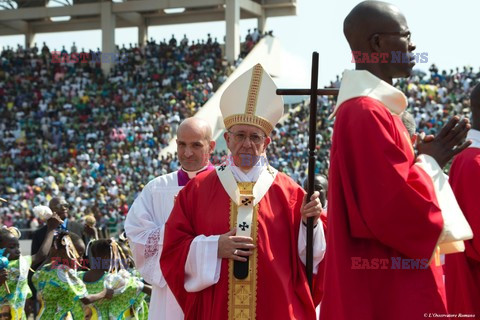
<point>242,294</point>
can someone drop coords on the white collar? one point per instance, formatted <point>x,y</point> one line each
<point>474,135</point>
<point>251,176</point>
<point>361,83</point>
<point>193,174</point>
<point>230,183</point>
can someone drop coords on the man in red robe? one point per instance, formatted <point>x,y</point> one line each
<point>462,270</point>
<point>243,209</point>
<point>384,220</point>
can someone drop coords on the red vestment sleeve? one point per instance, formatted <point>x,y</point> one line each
<point>465,181</point>
<point>462,269</point>
<point>388,198</point>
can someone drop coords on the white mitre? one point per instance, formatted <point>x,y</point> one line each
<point>251,99</point>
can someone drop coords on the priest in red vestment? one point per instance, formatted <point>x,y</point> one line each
<point>462,270</point>
<point>384,218</point>
<point>243,209</point>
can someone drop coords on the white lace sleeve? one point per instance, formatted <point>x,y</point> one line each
<point>152,252</point>
<point>145,227</point>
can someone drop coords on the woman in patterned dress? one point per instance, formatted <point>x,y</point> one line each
<point>62,293</point>
<point>14,288</point>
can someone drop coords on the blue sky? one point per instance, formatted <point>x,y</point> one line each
<point>442,28</point>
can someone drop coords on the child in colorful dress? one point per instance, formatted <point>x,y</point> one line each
<point>107,265</point>
<point>61,292</point>
<point>14,288</point>
<point>140,306</point>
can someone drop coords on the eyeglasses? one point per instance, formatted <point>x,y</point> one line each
<point>403,34</point>
<point>240,137</point>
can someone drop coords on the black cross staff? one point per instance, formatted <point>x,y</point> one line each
<point>313,92</point>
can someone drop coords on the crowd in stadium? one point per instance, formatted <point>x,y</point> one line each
<point>65,129</point>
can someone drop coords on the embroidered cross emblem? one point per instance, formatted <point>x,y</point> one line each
<point>243,226</point>
<point>222,167</point>
<point>246,201</point>
<point>270,171</point>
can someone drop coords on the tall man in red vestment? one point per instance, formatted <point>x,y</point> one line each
<point>243,209</point>
<point>462,270</point>
<point>384,218</point>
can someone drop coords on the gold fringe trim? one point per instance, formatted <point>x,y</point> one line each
<point>249,119</point>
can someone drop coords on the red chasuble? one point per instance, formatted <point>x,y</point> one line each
<point>203,207</point>
<point>383,221</point>
<point>462,270</point>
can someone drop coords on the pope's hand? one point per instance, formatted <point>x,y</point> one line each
<point>312,209</point>
<point>230,245</point>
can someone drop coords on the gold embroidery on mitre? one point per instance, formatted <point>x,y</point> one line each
<point>249,119</point>
<point>254,89</point>
<point>242,294</point>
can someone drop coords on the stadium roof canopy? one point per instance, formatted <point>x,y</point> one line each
<point>29,17</point>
